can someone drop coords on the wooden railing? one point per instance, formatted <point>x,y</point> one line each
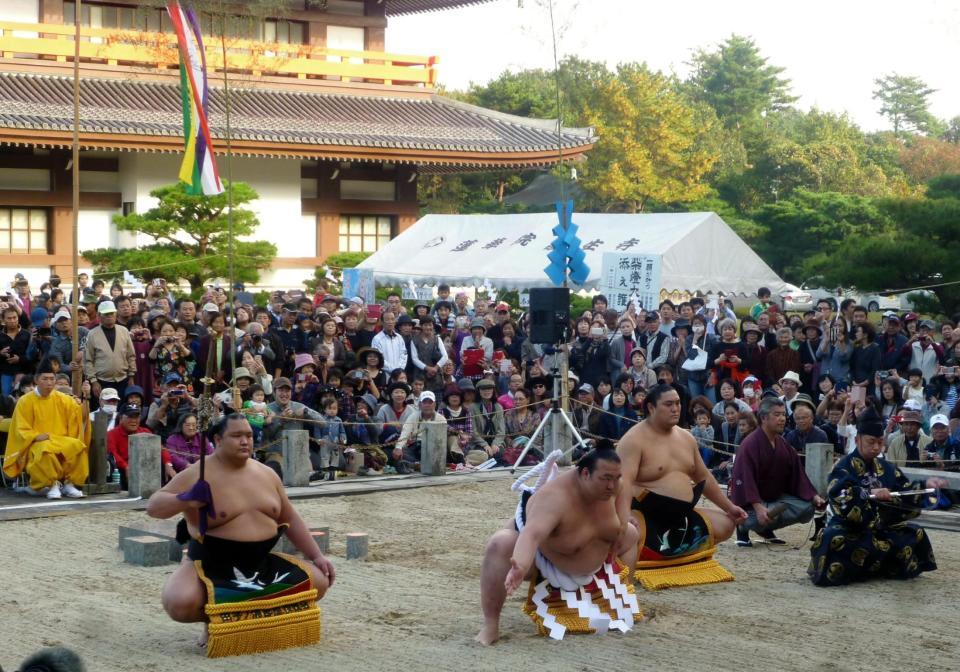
<point>159,50</point>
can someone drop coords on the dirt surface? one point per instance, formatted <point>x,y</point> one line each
<point>415,604</point>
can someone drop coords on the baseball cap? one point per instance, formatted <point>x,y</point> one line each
<point>290,308</point>
<point>427,395</point>
<point>357,301</point>
<point>62,314</point>
<point>109,394</point>
<point>651,317</point>
<point>586,387</point>
<point>106,307</point>
<point>130,410</point>
<point>912,405</point>
<point>939,419</point>
<point>172,377</point>
<point>282,382</point>
<point>89,297</point>
<point>210,308</point>
<point>911,416</point>
<point>38,316</point>
<point>503,305</point>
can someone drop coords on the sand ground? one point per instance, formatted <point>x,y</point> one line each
<point>415,604</point>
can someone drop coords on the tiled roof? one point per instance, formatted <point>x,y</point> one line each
<point>148,108</point>
<point>398,7</point>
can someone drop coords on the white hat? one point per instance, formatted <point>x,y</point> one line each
<point>912,405</point>
<point>106,307</point>
<point>108,393</point>
<point>427,395</point>
<point>791,375</point>
<point>939,419</point>
<point>210,308</point>
<point>62,314</point>
<point>357,301</point>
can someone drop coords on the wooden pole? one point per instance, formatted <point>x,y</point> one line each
<point>77,375</point>
<point>226,110</point>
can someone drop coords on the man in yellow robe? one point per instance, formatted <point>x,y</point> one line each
<point>49,439</point>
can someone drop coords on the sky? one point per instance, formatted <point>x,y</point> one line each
<point>832,50</point>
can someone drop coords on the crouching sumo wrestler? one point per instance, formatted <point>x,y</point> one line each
<point>568,540</point>
<point>250,598</point>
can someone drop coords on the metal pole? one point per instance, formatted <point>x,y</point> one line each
<point>76,377</point>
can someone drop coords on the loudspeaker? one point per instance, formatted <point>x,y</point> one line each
<point>549,314</point>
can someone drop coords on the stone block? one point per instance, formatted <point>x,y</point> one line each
<point>357,545</point>
<point>143,471</point>
<point>433,450</point>
<point>818,464</point>
<point>295,449</point>
<point>322,539</point>
<point>146,551</point>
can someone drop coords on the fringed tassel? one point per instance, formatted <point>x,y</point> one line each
<point>692,574</point>
<point>554,610</point>
<point>259,635</point>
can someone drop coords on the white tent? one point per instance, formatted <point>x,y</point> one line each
<point>700,251</point>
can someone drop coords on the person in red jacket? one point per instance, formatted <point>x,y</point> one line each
<point>128,422</point>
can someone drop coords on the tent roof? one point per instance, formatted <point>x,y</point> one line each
<point>700,251</point>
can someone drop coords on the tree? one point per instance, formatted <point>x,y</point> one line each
<point>951,131</point>
<point>924,158</point>
<point>903,100</point>
<point>739,83</point>
<point>922,250</point>
<point>647,148</point>
<point>191,239</point>
<point>800,229</point>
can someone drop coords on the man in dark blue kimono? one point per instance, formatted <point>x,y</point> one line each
<point>868,535</point>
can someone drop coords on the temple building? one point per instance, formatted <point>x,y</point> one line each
<point>331,130</point>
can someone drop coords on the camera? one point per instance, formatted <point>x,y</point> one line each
<point>596,331</point>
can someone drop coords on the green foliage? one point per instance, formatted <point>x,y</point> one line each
<point>191,239</point>
<point>739,83</point>
<point>944,186</point>
<point>335,262</point>
<point>798,230</point>
<point>923,249</point>
<point>904,101</point>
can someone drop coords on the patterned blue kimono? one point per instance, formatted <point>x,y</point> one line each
<point>865,538</point>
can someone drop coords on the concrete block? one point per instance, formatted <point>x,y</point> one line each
<point>818,465</point>
<point>357,545</point>
<point>433,450</point>
<point>323,541</point>
<point>143,471</point>
<point>146,551</point>
<point>295,448</point>
<point>161,529</point>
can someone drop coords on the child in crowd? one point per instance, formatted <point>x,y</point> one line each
<point>257,413</point>
<point>330,437</point>
<point>703,432</point>
<point>914,387</point>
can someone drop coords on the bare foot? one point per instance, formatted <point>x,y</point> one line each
<point>204,636</point>
<point>488,635</point>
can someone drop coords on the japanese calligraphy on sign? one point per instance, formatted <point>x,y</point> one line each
<point>625,275</point>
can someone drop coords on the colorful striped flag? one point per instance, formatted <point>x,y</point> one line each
<point>199,167</point>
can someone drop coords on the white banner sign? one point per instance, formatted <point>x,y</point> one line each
<point>629,277</point>
<point>422,294</point>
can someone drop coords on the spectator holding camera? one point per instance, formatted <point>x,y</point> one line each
<point>169,354</point>
<point>175,401</point>
<point>922,352</point>
<point>590,355</point>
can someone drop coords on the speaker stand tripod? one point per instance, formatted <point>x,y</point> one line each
<point>554,411</point>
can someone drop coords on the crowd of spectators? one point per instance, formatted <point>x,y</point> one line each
<point>365,379</point>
